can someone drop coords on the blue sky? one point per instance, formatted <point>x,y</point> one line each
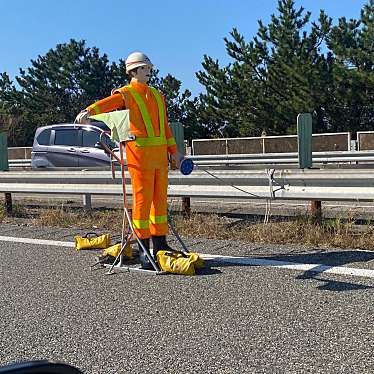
<point>174,34</point>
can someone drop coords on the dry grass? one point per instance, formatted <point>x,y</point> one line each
<point>18,211</point>
<point>104,219</point>
<point>331,233</point>
<point>337,233</point>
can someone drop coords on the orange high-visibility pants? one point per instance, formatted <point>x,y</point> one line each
<point>149,205</point>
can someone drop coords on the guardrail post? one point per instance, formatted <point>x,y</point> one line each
<point>87,204</point>
<point>8,203</point>
<point>186,205</point>
<point>316,211</point>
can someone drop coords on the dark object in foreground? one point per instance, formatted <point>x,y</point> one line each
<point>39,367</point>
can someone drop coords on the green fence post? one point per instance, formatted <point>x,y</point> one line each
<point>4,164</point>
<point>178,132</point>
<point>304,140</point>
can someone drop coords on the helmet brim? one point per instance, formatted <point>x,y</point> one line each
<point>137,65</point>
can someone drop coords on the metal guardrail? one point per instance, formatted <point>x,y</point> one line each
<point>259,159</point>
<point>284,158</point>
<point>19,163</point>
<point>292,184</point>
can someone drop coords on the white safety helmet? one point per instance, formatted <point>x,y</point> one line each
<point>136,59</point>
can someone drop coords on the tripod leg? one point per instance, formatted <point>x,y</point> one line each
<point>178,237</point>
<point>120,253</point>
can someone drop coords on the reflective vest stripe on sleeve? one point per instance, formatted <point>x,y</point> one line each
<point>95,108</point>
<point>171,141</point>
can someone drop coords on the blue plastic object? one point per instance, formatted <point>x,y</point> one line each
<point>186,166</point>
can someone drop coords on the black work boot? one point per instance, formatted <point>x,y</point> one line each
<point>144,261</point>
<point>160,244</point>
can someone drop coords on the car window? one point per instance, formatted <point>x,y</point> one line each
<point>66,137</point>
<point>43,137</point>
<point>90,138</point>
<point>106,139</point>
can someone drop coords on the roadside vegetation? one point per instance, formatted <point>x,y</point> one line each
<point>300,230</point>
<point>295,63</point>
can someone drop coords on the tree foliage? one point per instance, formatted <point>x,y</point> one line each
<point>352,43</point>
<point>60,84</point>
<point>286,70</point>
<point>291,65</point>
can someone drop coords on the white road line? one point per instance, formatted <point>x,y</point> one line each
<point>37,241</point>
<point>314,268</point>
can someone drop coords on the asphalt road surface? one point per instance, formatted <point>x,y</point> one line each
<point>230,318</point>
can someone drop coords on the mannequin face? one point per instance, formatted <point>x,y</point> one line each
<point>143,74</point>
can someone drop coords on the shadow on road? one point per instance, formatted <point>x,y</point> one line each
<point>330,258</point>
<point>333,285</point>
<point>208,270</point>
<point>323,261</point>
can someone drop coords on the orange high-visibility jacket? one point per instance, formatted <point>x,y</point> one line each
<point>147,157</point>
<point>147,164</point>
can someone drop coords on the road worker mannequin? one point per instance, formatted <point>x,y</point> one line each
<point>147,156</point>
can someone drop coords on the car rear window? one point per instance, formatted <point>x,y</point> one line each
<point>43,137</point>
<point>66,137</point>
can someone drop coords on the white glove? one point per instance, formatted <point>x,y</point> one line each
<point>82,117</point>
<point>178,158</point>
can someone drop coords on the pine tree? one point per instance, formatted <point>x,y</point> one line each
<point>180,106</point>
<point>67,79</point>
<point>54,89</point>
<point>352,43</point>
<point>277,75</point>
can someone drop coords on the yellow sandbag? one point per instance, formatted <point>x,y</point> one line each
<point>196,260</point>
<point>179,262</point>
<point>115,249</point>
<point>96,242</point>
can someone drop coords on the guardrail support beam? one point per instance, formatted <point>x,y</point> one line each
<point>87,203</point>
<point>8,203</point>
<point>186,205</point>
<point>316,211</point>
